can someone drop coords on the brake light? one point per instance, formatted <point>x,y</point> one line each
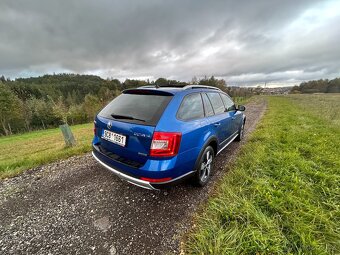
<point>165,144</point>
<point>95,130</point>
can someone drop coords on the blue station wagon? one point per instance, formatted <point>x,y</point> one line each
<point>154,136</point>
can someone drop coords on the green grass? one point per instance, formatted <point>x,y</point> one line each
<point>326,106</point>
<point>282,195</point>
<point>23,151</point>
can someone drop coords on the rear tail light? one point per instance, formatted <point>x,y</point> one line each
<point>165,144</point>
<point>95,130</point>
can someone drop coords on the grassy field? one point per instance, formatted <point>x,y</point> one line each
<point>326,106</point>
<point>20,152</point>
<point>282,195</point>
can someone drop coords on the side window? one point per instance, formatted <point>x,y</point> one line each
<point>228,103</point>
<point>207,106</point>
<point>191,107</point>
<point>216,102</point>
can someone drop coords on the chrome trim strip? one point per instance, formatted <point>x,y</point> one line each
<point>135,181</point>
<point>232,139</point>
<point>228,137</point>
<point>200,87</point>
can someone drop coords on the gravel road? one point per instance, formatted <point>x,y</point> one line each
<point>75,206</point>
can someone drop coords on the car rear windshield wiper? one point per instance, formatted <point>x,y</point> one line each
<point>117,116</point>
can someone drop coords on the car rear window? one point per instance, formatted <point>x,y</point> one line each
<point>136,108</point>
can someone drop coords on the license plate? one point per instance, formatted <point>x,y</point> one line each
<point>114,137</point>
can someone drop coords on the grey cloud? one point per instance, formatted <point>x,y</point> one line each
<point>242,41</point>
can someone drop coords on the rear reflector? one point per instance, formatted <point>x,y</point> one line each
<point>165,144</point>
<point>156,180</point>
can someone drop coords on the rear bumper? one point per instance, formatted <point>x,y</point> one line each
<point>133,180</point>
<point>139,182</point>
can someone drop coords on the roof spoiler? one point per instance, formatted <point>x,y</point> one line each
<point>146,91</point>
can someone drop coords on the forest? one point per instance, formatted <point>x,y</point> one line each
<point>318,86</point>
<point>48,101</point>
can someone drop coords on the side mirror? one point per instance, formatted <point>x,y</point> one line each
<point>231,108</point>
<point>241,108</point>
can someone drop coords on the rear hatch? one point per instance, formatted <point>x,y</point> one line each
<point>126,125</point>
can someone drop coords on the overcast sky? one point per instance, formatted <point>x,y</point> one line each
<point>244,42</point>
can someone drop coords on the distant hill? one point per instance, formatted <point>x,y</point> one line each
<point>60,85</point>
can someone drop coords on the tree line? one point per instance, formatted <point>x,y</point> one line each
<point>318,86</point>
<point>48,101</point>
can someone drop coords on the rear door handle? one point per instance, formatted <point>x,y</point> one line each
<point>217,124</point>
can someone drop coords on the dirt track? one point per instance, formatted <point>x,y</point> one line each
<point>75,206</point>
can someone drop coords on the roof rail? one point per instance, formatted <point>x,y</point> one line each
<point>200,87</point>
<point>163,86</point>
<point>179,86</point>
<point>147,86</point>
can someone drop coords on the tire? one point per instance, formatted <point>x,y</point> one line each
<point>240,134</point>
<point>204,167</point>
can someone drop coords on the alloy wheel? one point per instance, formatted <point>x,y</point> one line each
<point>242,131</point>
<point>206,166</point>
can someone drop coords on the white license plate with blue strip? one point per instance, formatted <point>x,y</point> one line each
<point>114,137</point>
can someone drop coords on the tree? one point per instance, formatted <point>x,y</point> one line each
<point>10,109</point>
<point>318,86</point>
<point>91,105</point>
<point>76,115</point>
<point>212,81</point>
<point>2,79</point>
<point>43,114</point>
<point>161,82</point>
<point>27,110</point>
<point>105,95</point>
<point>194,80</point>
<point>60,111</point>
<point>69,99</point>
